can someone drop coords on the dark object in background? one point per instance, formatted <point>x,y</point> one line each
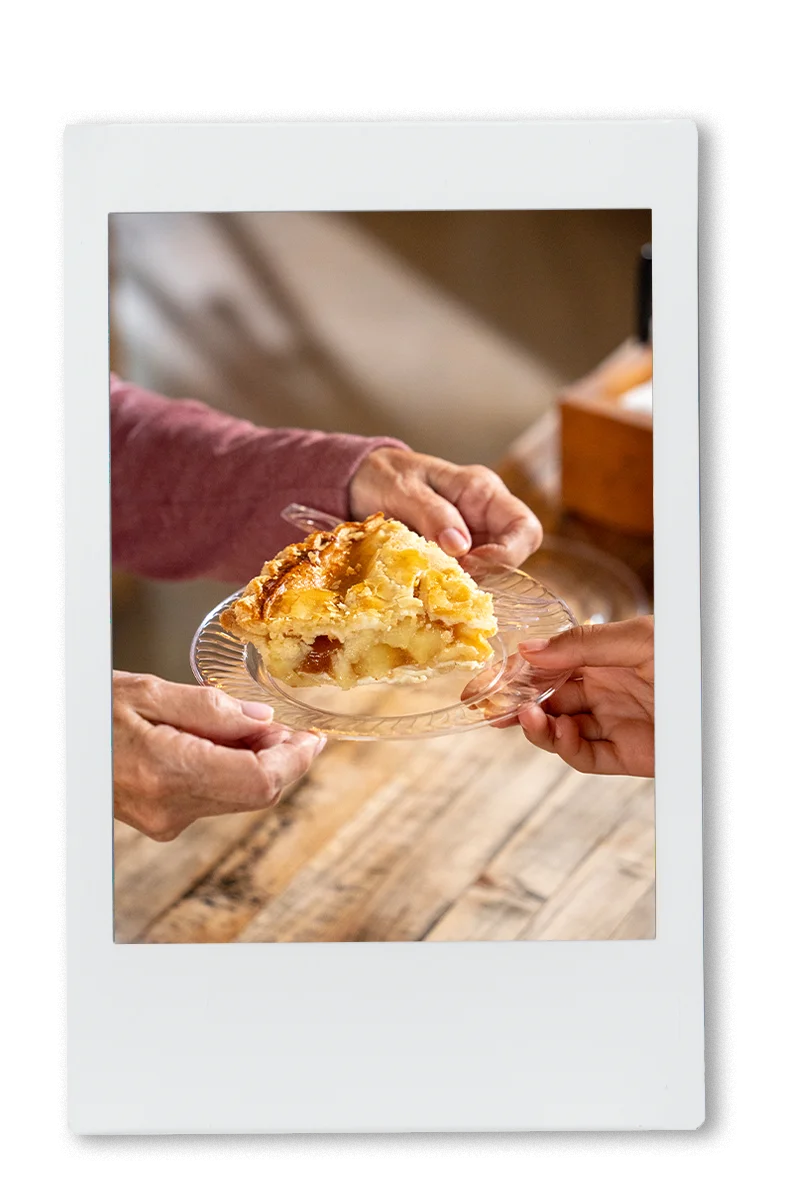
<point>644,290</point>
<point>606,444</point>
<point>585,467</point>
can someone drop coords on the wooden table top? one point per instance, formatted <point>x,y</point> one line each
<point>472,836</point>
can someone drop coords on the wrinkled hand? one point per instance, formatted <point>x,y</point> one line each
<point>461,508</point>
<point>182,752</point>
<point>601,721</point>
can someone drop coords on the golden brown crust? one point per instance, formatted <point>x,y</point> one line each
<point>323,560</point>
<point>370,599</point>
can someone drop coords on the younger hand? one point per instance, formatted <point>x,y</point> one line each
<point>460,508</point>
<point>601,721</point>
<point>181,752</point>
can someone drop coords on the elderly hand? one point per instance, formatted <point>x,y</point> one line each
<point>460,508</point>
<point>601,721</point>
<point>182,752</point>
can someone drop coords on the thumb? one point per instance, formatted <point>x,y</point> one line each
<point>434,518</point>
<point>621,644</point>
<point>204,711</point>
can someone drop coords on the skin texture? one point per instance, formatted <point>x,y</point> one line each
<point>602,721</point>
<point>181,752</point>
<point>460,508</point>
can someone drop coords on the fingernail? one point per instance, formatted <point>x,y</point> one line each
<point>259,712</point>
<point>534,645</point>
<point>321,743</point>
<point>453,541</point>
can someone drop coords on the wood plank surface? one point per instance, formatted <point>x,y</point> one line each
<point>614,876</point>
<point>485,913</point>
<point>640,921</point>
<point>262,865</point>
<point>422,837</point>
<point>579,821</point>
<point>150,876</point>
<point>378,844</point>
<point>394,854</point>
<point>473,836</point>
<point>548,847</point>
<point>124,838</point>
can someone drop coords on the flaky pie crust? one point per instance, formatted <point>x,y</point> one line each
<point>371,600</point>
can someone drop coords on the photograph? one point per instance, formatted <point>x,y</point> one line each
<point>382,576</point>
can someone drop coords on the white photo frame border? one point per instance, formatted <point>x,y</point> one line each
<point>385,1037</point>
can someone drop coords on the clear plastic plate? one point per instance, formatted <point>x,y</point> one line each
<point>447,703</point>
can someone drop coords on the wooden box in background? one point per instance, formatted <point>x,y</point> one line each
<point>606,447</point>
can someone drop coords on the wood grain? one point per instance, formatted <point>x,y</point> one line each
<point>614,876</point>
<point>485,913</point>
<point>640,921</point>
<point>579,820</point>
<point>606,448</point>
<point>516,846</point>
<point>577,814</point>
<point>150,876</point>
<point>124,838</point>
<point>418,841</point>
<point>264,863</point>
<point>378,845</point>
<point>607,464</point>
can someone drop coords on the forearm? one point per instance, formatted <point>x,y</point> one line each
<point>197,493</point>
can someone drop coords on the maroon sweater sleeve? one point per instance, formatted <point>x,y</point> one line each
<point>198,493</point>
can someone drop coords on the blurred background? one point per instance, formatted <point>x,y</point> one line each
<point>515,339</point>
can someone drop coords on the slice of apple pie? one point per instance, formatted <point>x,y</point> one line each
<point>369,601</point>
